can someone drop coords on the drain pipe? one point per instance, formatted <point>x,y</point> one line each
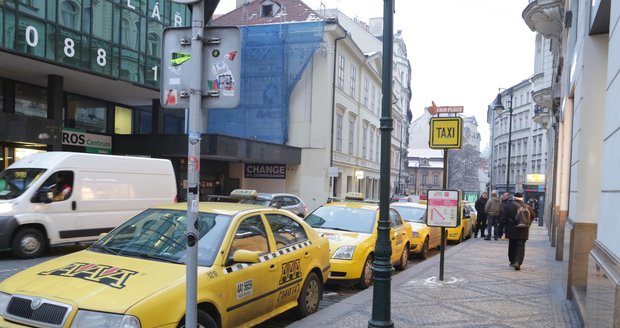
<point>331,145</point>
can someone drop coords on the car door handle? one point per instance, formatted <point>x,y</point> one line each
<point>272,267</point>
<point>73,205</point>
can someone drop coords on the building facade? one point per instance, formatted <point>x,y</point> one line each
<point>528,142</point>
<point>425,170</point>
<point>585,185</point>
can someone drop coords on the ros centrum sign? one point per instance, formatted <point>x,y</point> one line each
<point>442,208</point>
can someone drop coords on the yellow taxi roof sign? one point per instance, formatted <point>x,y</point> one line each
<point>244,194</point>
<point>445,133</point>
<point>354,196</point>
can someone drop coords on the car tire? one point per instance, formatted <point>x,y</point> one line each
<point>404,259</point>
<point>310,296</point>
<point>204,321</point>
<point>424,251</point>
<point>367,275</point>
<point>28,243</point>
<point>461,237</point>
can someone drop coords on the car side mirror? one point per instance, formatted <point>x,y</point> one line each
<point>245,256</point>
<point>41,197</point>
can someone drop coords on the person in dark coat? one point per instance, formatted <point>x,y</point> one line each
<point>481,220</point>
<point>517,236</point>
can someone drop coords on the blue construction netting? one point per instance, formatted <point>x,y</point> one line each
<point>273,60</point>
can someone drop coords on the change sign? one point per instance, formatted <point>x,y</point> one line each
<point>445,133</point>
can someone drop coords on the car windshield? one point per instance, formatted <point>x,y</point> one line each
<point>343,218</point>
<point>412,214</point>
<point>14,182</point>
<point>160,234</point>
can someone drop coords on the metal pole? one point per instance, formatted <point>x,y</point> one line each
<point>382,266</point>
<point>400,161</point>
<point>443,229</point>
<point>193,160</point>
<point>509,142</point>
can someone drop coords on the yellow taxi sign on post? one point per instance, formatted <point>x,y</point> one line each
<point>445,133</point>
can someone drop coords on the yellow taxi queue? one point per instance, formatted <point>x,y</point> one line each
<point>254,263</point>
<point>351,227</point>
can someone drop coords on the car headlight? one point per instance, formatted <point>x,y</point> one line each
<point>344,253</point>
<point>415,234</point>
<point>7,207</point>
<point>92,319</point>
<point>4,303</point>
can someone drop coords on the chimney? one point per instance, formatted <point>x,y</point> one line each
<point>241,3</point>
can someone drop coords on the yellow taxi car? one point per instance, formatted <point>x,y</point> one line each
<point>351,227</point>
<point>254,262</point>
<point>465,228</point>
<point>423,237</point>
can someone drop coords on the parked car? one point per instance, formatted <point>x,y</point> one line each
<point>423,237</point>
<point>254,263</point>
<point>465,229</point>
<point>351,227</point>
<point>281,200</point>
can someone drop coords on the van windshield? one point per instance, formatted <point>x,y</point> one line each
<point>14,182</point>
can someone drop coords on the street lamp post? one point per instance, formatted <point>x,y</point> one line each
<point>499,108</point>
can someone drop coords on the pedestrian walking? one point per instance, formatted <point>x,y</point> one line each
<point>517,236</point>
<point>501,223</point>
<point>493,209</point>
<point>481,219</point>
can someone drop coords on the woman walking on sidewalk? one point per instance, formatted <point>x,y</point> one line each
<point>516,235</point>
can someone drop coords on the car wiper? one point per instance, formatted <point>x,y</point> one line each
<point>333,228</point>
<point>106,249</point>
<point>155,257</point>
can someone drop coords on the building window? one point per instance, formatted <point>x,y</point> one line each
<point>123,120</point>
<point>372,143</point>
<point>366,83</point>
<point>143,120</point>
<point>30,100</point>
<point>174,122</point>
<point>353,81</point>
<point>86,114</point>
<point>435,180</point>
<point>341,73</point>
<point>364,140</point>
<point>372,98</point>
<point>377,158</point>
<point>70,14</point>
<point>266,10</point>
<point>424,176</point>
<point>339,121</point>
<point>351,135</point>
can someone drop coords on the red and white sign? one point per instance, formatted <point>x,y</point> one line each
<point>450,109</point>
<point>442,208</point>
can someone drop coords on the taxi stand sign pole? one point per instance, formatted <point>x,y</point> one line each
<point>442,211</point>
<point>445,133</point>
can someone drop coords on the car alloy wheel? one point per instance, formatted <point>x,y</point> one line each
<point>367,275</point>
<point>310,296</point>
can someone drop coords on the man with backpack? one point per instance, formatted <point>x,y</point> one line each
<point>518,216</point>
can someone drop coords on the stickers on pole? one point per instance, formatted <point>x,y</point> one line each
<point>221,67</point>
<point>442,208</point>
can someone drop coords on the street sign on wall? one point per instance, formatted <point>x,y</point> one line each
<point>442,208</point>
<point>445,132</point>
<point>221,71</point>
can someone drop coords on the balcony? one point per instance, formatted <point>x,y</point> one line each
<point>541,116</point>
<point>542,91</point>
<point>545,17</point>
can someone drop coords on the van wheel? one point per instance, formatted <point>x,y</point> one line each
<point>28,243</point>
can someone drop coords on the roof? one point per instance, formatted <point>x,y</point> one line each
<point>250,13</point>
<point>424,152</point>
<point>354,204</point>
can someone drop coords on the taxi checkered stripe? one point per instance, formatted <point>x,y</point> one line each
<point>268,257</point>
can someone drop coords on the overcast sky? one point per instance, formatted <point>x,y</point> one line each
<point>461,51</point>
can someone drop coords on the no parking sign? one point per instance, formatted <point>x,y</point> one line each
<point>442,208</point>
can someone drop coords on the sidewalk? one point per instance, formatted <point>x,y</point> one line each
<point>479,289</point>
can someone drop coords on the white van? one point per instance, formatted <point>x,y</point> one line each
<point>98,193</point>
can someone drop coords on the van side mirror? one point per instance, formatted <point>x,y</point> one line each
<point>41,197</point>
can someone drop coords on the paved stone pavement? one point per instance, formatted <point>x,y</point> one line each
<point>479,289</point>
